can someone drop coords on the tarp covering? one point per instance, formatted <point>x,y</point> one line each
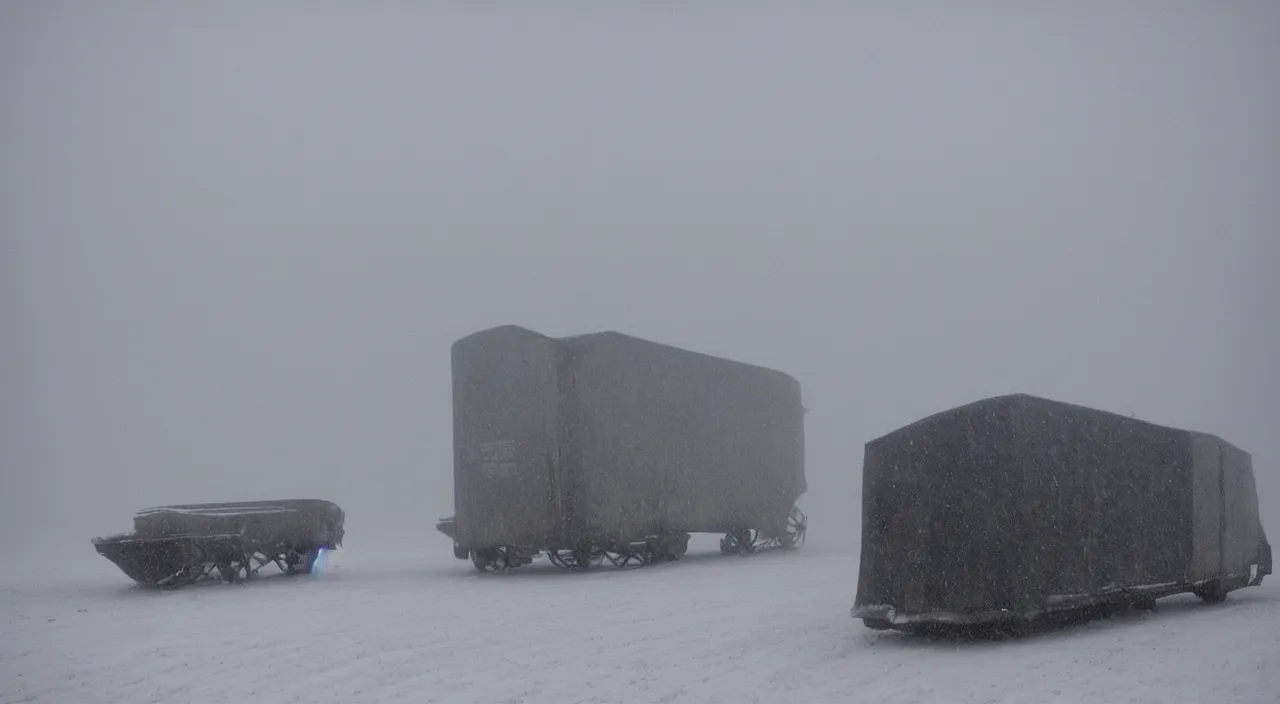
<point>1017,502</point>
<point>610,435</point>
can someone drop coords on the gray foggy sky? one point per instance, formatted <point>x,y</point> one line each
<point>239,238</point>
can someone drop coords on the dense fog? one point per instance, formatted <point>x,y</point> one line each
<point>237,240</point>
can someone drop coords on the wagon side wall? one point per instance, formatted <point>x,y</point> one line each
<point>1207,515</point>
<point>506,439</point>
<point>664,438</point>
<point>876,561</point>
<point>1099,500</point>
<point>1008,502</point>
<point>936,524</point>
<point>1242,529</point>
<point>1228,529</point>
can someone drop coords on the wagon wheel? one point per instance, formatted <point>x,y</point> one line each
<point>671,547</point>
<point>797,529</point>
<point>586,557</point>
<point>292,559</point>
<point>491,560</point>
<point>739,542</point>
<point>300,562</point>
<point>1212,592</point>
<point>226,571</point>
<point>583,557</point>
<point>681,546</point>
<point>729,544</point>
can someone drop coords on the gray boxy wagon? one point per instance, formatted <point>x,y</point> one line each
<point>1014,507</point>
<point>606,446</point>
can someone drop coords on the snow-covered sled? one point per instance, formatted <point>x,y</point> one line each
<point>176,545</point>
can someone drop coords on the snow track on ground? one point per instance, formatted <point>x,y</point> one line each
<point>709,629</point>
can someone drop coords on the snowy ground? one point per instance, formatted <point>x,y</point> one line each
<point>771,628</point>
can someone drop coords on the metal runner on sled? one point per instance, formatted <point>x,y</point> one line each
<point>173,546</point>
<point>605,448</point>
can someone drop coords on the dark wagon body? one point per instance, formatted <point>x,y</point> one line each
<point>1017,506</point>
<point>606,444</point>
<point>180,544</point>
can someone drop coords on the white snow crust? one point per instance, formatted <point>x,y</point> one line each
<point>422,627</point>
<point>218,510</point>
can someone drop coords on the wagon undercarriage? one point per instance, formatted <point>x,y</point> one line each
<point>586,556</point>
<point>605,449</point>
<point>747,541</point>
<point>1057,610</point>
<point>245,565</point>
<point>172,562</point>
<point>655,549</point>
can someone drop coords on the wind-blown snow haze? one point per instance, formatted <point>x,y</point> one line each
<point>237,240</point>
